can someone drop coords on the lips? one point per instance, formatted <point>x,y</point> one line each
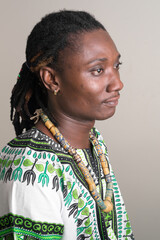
<point>112,101</point>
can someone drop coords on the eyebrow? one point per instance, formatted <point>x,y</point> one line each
<point>102,59</point>
<point>98,60</point>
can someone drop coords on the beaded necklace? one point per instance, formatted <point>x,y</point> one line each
<point>106,205</point>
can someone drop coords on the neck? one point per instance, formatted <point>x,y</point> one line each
<point>76,132</point>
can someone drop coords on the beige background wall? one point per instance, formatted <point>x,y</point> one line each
<point>132,135</point>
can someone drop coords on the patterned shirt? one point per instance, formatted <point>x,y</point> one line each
<point>43,194</point>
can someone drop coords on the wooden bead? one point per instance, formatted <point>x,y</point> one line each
<point>53,131</point>
<point>49,124</point>
<point>108,204</point>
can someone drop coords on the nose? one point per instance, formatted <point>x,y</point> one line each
<point>115,82</point>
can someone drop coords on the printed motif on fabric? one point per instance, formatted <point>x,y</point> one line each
<point>27,165</point>
<point>25,226</point>
<point>35,158</point>
<point>80,206</point>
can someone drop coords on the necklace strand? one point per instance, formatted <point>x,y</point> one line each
<point>105,205</point>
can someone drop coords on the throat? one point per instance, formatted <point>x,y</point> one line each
<point>75,130</point>
<point>76,134</point>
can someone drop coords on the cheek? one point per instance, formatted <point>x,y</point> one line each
<point>71,95</point>
<point>95,90</point>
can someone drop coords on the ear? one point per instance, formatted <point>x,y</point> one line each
<point>49,79</point>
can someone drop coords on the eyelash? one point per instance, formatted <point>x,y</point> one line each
<point>96,73</point>
<point>117,66</point>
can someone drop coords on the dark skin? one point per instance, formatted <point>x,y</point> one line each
<point>88,87</point>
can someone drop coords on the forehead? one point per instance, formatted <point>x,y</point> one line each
<point>91,46</point>
<point>98,43</point>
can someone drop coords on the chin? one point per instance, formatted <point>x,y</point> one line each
<point>107,115</point>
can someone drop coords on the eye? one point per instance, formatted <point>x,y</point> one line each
<point>117,65</point>
<point>97,71</point>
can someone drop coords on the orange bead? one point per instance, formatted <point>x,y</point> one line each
<point>108,204</point>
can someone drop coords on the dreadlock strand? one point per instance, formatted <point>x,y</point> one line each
<point>27,98</point>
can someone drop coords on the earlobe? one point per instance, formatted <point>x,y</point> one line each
<point>48,77</point>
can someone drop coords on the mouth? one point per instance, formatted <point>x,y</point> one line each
<point>112,101</point>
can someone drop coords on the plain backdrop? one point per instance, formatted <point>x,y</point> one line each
<point>132,135</point>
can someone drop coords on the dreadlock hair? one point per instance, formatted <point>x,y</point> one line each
<point>50,36</point>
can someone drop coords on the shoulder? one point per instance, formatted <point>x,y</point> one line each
<point>101,140</point>
<point>32,138</point>
<point>29,158</point>
<point>98,135</point>
<point>30,184</point>
<point>29,142</point>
